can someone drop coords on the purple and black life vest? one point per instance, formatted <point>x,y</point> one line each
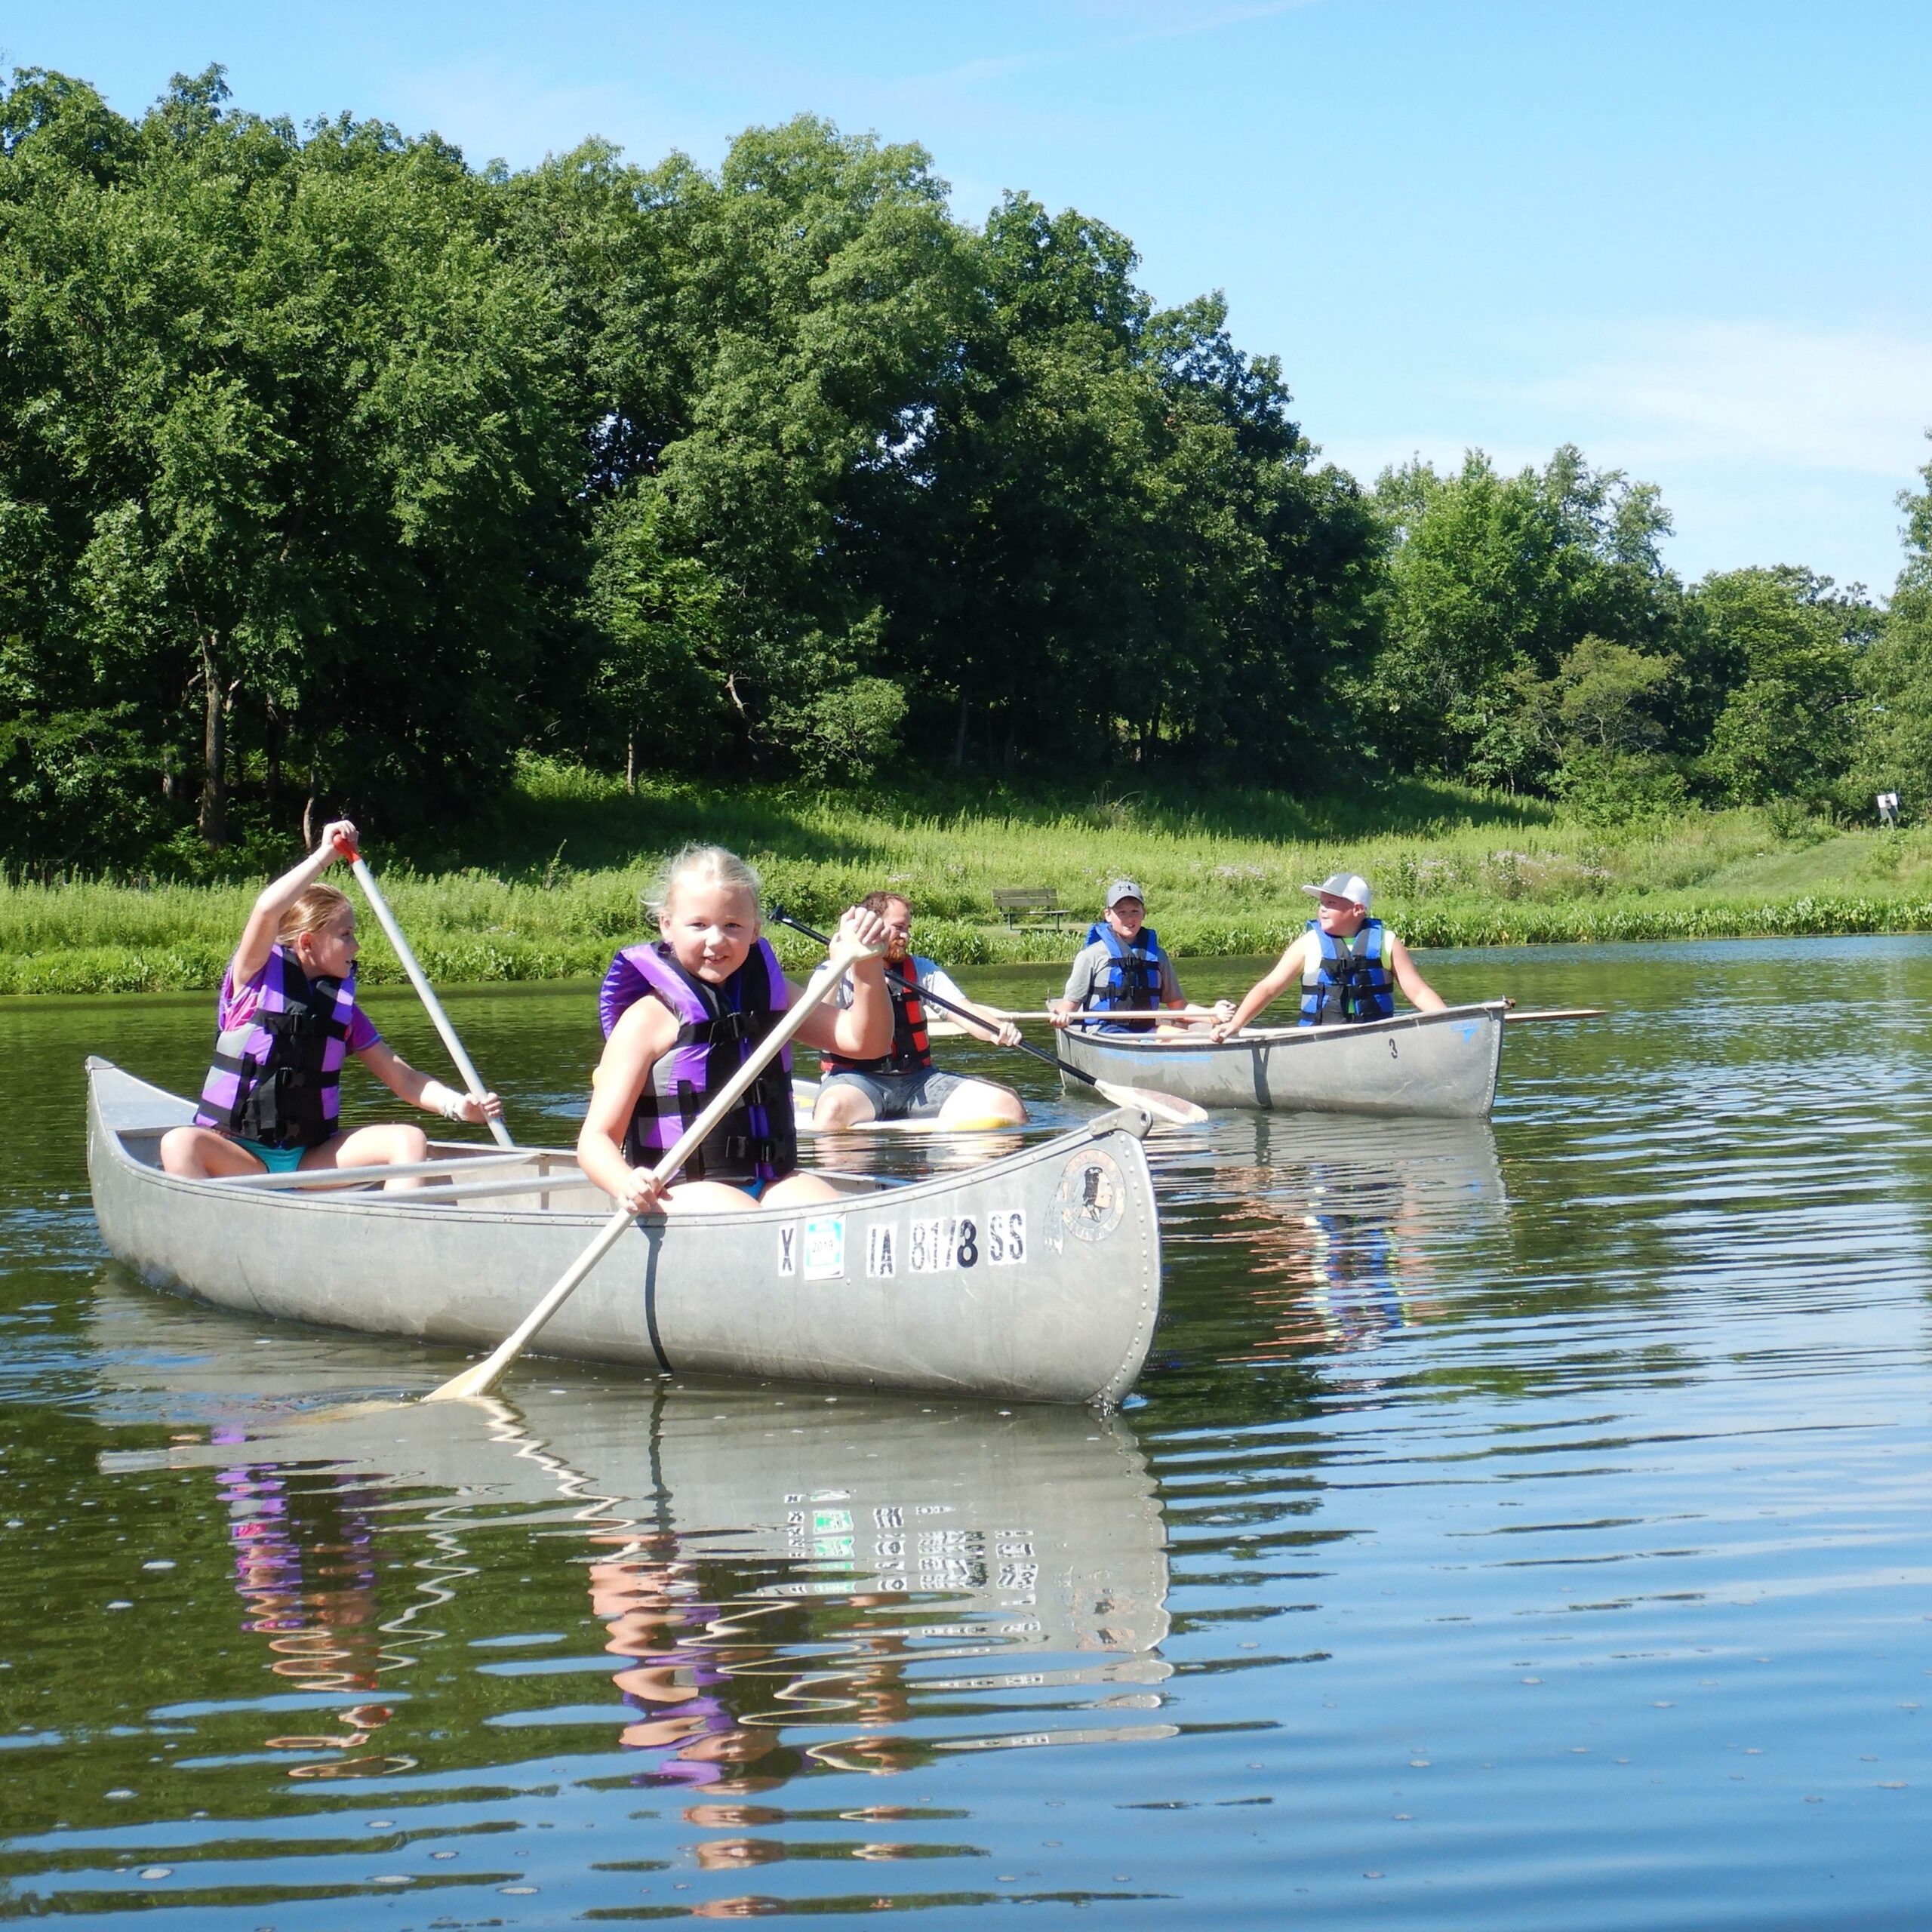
<point>275,1076</point>
<point>718,1029</point>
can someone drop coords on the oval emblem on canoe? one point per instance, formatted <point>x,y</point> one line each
<point>1091,1197</point>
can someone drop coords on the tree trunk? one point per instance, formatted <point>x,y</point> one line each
<point>214,819</point>
<point>630,759</point>
<point>276,731</point>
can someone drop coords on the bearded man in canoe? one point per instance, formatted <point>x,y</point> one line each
<point>681,1014</point>
<point>1347,964</point>
<point>903,1083</point>
<point>286,1020</point>
<point>1123,968</point>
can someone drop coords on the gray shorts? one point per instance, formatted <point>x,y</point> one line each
<point>901,1096</point>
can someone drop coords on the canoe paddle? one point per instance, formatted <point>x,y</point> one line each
<point>1163,1106</point>
<point>480,1377</point>
<point>378,905</point>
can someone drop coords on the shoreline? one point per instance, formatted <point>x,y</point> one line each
<point>507,959</point>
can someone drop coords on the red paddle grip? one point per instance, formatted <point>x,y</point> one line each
<point>345,850</point>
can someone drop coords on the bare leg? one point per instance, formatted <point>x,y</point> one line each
<point>373,1147</point>
<point>199,1153</point>
<point>983,1103</point>
<point>706,1197</point>
<point>842,1105</point>
<point>713,1197</point>
<point>799,1191</point>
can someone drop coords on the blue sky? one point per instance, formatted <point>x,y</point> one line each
<point>1689,237</point>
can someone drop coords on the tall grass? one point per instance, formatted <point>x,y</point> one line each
<point>550,889</point>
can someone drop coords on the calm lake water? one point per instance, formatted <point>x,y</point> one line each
<point>1516,1526</point>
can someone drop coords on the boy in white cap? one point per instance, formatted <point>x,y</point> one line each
<point>1345,962</point>
<point>1122,969</point>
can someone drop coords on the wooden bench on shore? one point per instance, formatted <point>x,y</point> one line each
<point>1036,903</point>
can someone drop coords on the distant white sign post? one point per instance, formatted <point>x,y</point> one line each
<point>1888,808</point>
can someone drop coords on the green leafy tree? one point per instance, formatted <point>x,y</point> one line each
<point>284,429</point>
<point>1787,644</point>
<point>756,343</point>
<point>1120,543</point>
<point>1492,579</point>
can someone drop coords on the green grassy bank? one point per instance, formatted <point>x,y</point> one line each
<point>550,888</point>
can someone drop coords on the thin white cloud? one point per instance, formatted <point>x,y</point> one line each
<point>1163,23</point>
<point>1856,398</point>
<point>1773,442</point>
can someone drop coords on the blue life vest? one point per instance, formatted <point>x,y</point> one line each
<point>1347,986</point>
<point>1132,982</point>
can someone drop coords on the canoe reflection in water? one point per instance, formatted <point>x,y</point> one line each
<point>1339,1219</point>
<point>784,1585</point>
<point>893,1542</point>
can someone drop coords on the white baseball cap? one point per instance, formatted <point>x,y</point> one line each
<point>1342,885</point>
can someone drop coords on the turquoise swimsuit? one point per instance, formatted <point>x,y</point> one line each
<point>277,1160</point>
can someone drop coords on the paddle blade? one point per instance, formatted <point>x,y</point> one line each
<point>478,1379</point>
<point>1163,1106</point>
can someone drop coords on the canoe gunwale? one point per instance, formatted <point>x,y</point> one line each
<point>363,1196</point>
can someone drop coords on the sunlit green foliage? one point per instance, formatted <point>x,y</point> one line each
<point>553,888</point>
<point>337,475</point>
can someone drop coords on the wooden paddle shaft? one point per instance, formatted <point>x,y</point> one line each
<point>484,1375</point>
<point>472,1079</point>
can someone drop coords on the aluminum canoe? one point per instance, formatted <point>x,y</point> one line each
<point>1035,1278</point>
<point>1442,1063</point>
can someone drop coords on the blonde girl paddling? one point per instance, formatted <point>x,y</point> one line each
<point>286,1019</point>
<point>681,1014</point>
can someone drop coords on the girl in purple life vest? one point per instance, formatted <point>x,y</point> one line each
<point>681,1016</point>
<point>288,1019</point>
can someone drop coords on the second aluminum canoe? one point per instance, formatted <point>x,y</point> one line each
<point>1442,1063</point>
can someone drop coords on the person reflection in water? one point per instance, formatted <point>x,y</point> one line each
<point>685,1659</point>
<point>304,1566</point>
<point>676,1681</point>
<point>1340,1267</point>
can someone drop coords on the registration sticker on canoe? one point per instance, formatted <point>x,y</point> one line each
<point>825,1248</point>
